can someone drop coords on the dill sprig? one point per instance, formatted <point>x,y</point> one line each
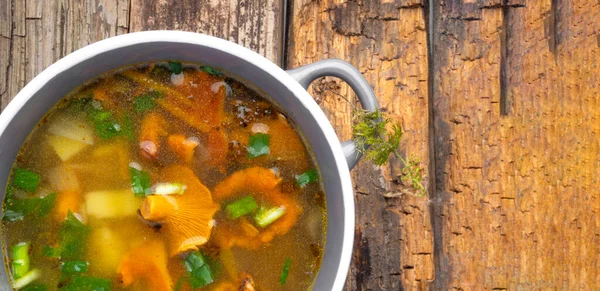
<point>372,138</point>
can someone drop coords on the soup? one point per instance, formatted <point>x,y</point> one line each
<point>164,176</point>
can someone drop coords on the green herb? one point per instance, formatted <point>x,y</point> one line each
<point>105,124</point>
<point>46,204</point>
<point>285,272</point>
<point>51,252</point>
<point>17,209</point>
<point>264,217</point>
<point>72,236</point>
<point>258,145</point>
<point>86,283</point>
<point>74,267</point>
<point>107,129</point>
<point>35,287</point>
<point>176,67</point>
<point>140,182</point>
<point>143,103</point>
<point>198,270</point>
<point>26,279</point>
<point>20,259</point>
<point>211,71</point>
<point>372,138</point>
<point>146,102</point>
<point>25,179</point>
<point>307,177</point>
<point>241,207</point>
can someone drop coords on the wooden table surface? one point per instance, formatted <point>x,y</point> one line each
<point>498,98</point>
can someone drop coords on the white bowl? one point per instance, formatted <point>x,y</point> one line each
<point>285,88</point>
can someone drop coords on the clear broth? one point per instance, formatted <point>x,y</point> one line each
<point>104,166</point>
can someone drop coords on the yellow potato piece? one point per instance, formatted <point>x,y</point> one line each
<point>73,128</point>
<point>111,204</point>
<point>64,147</point>
<point>105,250</point>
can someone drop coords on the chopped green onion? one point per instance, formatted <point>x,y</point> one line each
<point>146,102</point>
<point>46,204</point>
<point>140,182</point>
<point>16,209</point>
<point>143,103</point>
<point>20,259</point>
<point>211,70</point>
<point>25,179</point>
<point>72,236</point>
<point>258,145</point>
<point>51,252</point>
<point>27,279</point>
<point>168,189</point>
<point>285,272</point>
<point>74,267</point>
<point>35,287</point>
<point>307,177</point>
<point>201,277</point>
<point>105,124</point>
<point>176,67</point>
<point>264,217</point>
<point>107,128</point>
<point>86,283</point>
<point>241,207</point>
<point>198,269</point>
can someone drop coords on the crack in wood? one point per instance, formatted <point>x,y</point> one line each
<point>10,55</point>
<point>504,59</point>
<point>552,28</point>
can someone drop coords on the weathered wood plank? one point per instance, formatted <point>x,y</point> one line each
<point>388,43</point>
<point>42,32</point>
<point>253,24</point>
<point>515,90</point>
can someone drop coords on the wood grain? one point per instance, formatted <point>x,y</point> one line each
<point>513,102</point>
<point>254,24</point>
<point>515,91</point>
<point>388,43</point>
<point>36,33</point>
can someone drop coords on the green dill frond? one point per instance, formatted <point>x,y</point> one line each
<point>372,139</point>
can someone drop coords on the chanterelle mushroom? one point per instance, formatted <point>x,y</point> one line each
<point>186,218</point>
<point>146,265</point>
<point>264,185</point>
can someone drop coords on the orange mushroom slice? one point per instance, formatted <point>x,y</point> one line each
<point>264,185</point>
<point>146,265</point>
<point>183,147</point>
<point>285,145</point>
<point>152,130</point>
<point>197,101</point>
<point>186,218</point>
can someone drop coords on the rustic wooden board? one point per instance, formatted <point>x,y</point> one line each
<point>513,103</point>
<point>36,33</point>
<point>515,91</point>
<point>388,43</point>
<point>253,24</point>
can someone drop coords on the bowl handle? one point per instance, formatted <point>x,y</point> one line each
<point>345,71</point>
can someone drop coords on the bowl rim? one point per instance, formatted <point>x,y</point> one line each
<point>116,42</point>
